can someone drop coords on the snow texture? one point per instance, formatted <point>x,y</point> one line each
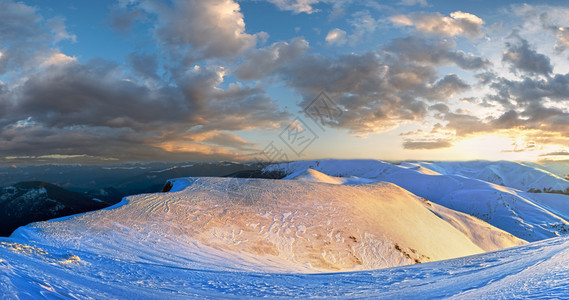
<point>510,209</point>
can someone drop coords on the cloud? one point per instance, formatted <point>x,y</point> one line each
<point>264,62</point>
<point>21,34</point>
<point>122,19</point>
<point>144,65</point>
<point>60,33</point>
<point>530,105</point>
<point>336,36</point>
<point>439,52</point>
<point>91,109</point>
<point>552,19</point>
<point>422,3</point>
<point>459,23</point>
<point>297,6</point>
<point>427,145</point>
<point>523,58</point>
<point>562,39</point>
<point>440,107</point>
<point>28,40</point>
<point>193,30</point>
<point>363,23</point>
<point>558,153</point>
<point>56,59</point>
<point>528,90</point>
<point>306,6</point>
<point>18,20</point>
<point>375,92</point>
<point>58,107</point>
<point>224,139</point>
<point>446,87</point>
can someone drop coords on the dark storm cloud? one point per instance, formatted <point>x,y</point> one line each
<point>522,57</point>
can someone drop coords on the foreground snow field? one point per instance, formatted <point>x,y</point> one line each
<point>32,270</point>
<point>330,230</point>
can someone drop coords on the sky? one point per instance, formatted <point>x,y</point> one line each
<point>145,80</point>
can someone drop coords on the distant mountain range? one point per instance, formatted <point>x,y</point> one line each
<point>128,179</point>
<point>34,201</point>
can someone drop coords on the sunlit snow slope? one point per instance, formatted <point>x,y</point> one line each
<point>507,208</point>
<point>522,176</point>
<point>276,225</point>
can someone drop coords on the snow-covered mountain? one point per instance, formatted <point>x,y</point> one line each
<point>294,225</point>
<point>224,237</point>
<point>521,176</point>
<point>506,208</point>
<point>329,230</point>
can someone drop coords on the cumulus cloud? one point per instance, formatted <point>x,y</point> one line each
<point>458,23</point>
<point>522,57</point>
<point>68,108</point>
<point>18,20</point>
<point>60,107</point>
<point>530,104</point>
<point>193,30</point>
<point>375,92</point>
<point>21,34</point>
<point>144,65</point>
<point>446,87</point>
<point>552,19</point>
<point>264,62</point>
<point>336,36</point>
<point>439,52</point>
<point>56,59</point>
